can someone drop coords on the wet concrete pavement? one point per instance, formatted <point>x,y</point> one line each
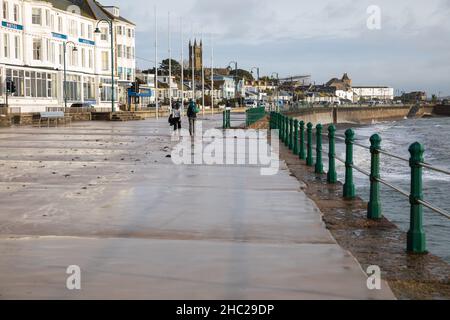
<point>105,196</point>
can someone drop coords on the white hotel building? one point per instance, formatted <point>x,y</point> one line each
<point>32,37</point>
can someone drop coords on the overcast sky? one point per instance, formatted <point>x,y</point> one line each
<point>323,38</point>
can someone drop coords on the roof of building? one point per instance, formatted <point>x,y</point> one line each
<point>88,8</point>
<point>371,87</point>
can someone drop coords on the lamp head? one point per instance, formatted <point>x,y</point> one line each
<point>97,30</point>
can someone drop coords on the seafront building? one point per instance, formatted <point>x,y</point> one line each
<point>32,39</point>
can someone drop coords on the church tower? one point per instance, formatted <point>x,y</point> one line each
<point>196,52</point>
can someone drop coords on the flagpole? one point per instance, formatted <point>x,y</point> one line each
<point>203,78</point>
<point>192,65</point>
<point>170,60</point>
<point>156,64</point>
<point>182,64</point>
<point>212,75</point>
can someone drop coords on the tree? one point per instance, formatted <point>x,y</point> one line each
<point>176,67</point>
<point>241,74</point>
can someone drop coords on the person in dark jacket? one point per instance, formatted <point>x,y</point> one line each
<point>192,116</point>
<point>176,117</point>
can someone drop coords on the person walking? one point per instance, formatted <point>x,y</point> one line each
<point>176,119</point>
<point>192,115</point>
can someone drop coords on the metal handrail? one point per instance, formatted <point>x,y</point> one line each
<point>387,153</point>
<point>395,188</point>
<point>430,167</point>
<point>290,134</point>
<point>435,209</point>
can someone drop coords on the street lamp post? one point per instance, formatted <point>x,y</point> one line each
<point>235,77</point>
<point>257,72</point>
<point>111,32</point>
<point>74,49</point>
<point>277,77</point>
<point>257,78</point>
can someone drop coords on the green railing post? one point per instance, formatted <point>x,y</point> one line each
<point>309,146</point>
<point>291,134</point>
<point>319,162</point>
<point>229,119</point>
<point>332,174</point>
<point>416,233</point>
<point>349,186</point>
<point>286,134</point>
<point>282,127</point>
<point>374,211</point>
<point>272,120</point>
<point>296,137</point>
<point>302,153</point>
<point>224,120</point>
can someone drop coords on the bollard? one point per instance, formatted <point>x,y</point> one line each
<point>319,162</point>
<point>302,154</point>
<point>349,186</point>
<point>416,234</point>
<point>276,120</point>
<point>374,206</point>
<point>224,120</point>
<point>279,121</point>
<point>332,174</point>
<point>309,147</point>
<point>286,134</point>
<point>291,134</point>
<point>296,137</point>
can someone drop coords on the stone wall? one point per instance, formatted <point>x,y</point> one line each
<point>442,110</point>
<point>82,116</point>
<point>26,119</point>
<point>4,121</point>
<point>357,115</point>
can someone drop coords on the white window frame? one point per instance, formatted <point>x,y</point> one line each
<point>37,51</point>
<point>60,24</point>
<point>17,47</point>
<point>35,15</point>
<point>83,57</point>
<point>91,59</point>
<point>16,13</point>
<point>5,10</point>
<point>105,61</point>
<point>47,17</point>
<point>6,45</point>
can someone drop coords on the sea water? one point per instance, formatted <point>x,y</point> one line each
<point>434,134</point>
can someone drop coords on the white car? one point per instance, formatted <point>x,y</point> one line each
<point>251,104</point>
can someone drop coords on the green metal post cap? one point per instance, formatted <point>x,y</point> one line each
<point>319,127</point>
<point>417,150</point>
<point>309,125</point>
<point>331,129</point>
<point>350,135</point>
<point>375,141</point>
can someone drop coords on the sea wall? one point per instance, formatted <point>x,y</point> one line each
<point>442,110</point>
<point>358,115</point>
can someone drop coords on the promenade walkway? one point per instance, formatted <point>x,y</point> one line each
<point>105,196</point>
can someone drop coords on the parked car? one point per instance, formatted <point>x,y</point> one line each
<point>251,104</point>
<point>82,105</point>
